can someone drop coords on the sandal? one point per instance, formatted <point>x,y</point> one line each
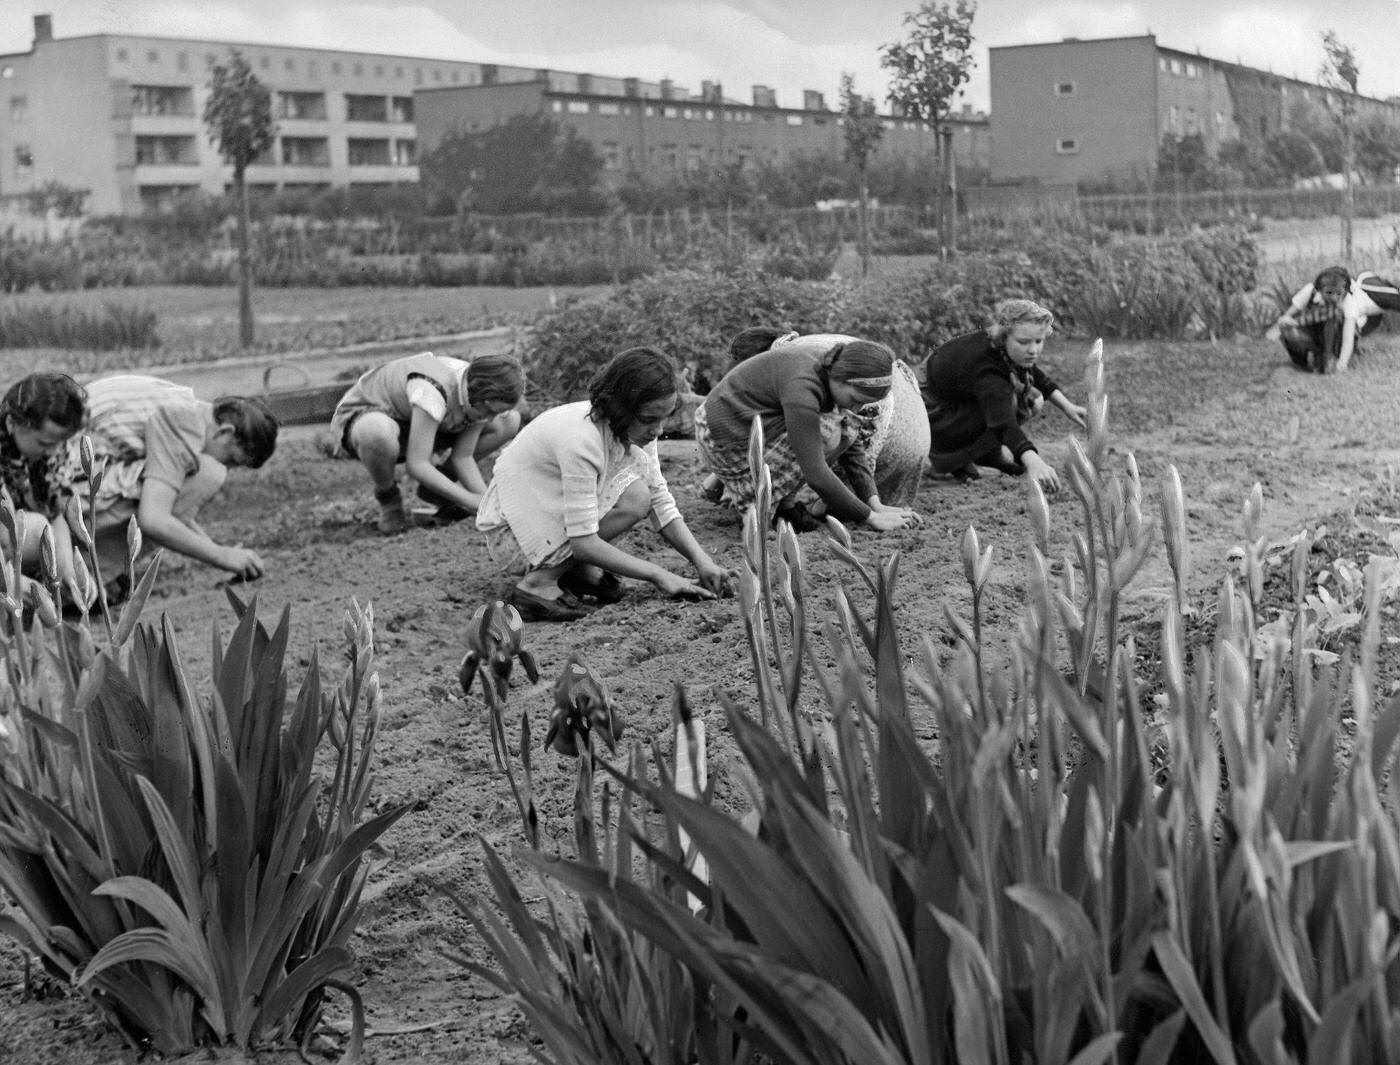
<point>534,607</point>
<point>606,590</point>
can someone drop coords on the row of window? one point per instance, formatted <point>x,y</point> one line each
<point>1179,67</point>
<point>179,100</point>
<point>311,68</point>
<point>708,114</point>
<point>288,151</point>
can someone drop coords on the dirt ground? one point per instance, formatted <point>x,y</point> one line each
<point>1227,416</point>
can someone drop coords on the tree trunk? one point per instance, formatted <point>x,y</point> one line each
<point>864,223</point>
<point>245,262</point>
<point>951,187</point>
<point>1349,196</point>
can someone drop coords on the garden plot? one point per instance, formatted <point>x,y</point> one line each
<point>1227,416</point>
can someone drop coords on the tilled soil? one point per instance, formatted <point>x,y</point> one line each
<point>1227,416</point>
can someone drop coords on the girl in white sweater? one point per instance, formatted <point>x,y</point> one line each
<point>576,479</point>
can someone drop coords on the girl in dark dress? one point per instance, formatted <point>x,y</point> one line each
<point>980,388</point>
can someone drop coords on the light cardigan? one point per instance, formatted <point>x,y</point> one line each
<point>560,475</point>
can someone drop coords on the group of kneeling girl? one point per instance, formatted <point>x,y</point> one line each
<point>848,432</point>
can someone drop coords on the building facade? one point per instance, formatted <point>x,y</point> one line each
<point>120,116</point>
<point>1098,110</point>
<point>655,131</point>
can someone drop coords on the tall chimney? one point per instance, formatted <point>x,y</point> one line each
<point>43,28</point>
<point>763,96</point>
<point>668,89</point>
<point>812,100</point>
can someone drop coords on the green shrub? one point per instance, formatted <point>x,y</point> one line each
<point>1075,876</point>
<point>115,327</point>
<point>183,861</point>
<point>689,314</point>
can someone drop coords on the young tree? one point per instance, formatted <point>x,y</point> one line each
<point>238,116</point>
<point>863,132</point>
<point>1340,73</point>
<point>927,72</point>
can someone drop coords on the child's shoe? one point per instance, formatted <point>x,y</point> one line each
<point>392,518</point>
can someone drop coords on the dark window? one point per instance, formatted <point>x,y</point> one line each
<point>366,108</point>
<point>306,151</point>
<point>162,100</point>
<point>301,105</point>
<point>365,152</point>
<point>165,151</point>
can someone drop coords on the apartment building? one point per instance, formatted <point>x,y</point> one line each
<point>1091,110</point>
<point>120,116</point>
<point>655,131</point>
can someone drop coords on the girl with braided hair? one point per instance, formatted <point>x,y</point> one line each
<point>806,396</point>
<point>981,387</point>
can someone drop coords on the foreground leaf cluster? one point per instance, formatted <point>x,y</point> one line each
<point>193,862</point>
<point>1071,874</point>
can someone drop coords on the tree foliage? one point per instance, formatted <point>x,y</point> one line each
<point>929,67</point>
<point>527,163</point>
<point>238,113</point>
<point>863,130</point>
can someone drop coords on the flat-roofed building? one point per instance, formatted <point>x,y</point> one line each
<point>121,116</point>
<point>660,130</point>
<point>1098,110</point>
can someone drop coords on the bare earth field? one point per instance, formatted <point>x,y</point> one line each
<point>1227,416</point>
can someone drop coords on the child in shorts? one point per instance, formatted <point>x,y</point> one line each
<point>411,410</point>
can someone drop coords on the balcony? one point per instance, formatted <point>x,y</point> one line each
<point>166,151</point>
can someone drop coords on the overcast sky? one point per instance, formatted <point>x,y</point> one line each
<point>790,45</point>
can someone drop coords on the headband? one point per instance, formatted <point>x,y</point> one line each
<point>871,382</point>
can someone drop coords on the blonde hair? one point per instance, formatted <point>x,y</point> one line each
<point>1008,314</point>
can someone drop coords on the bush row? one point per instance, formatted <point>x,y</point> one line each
<point>113,328</point>
<point>1193,284</point>
<point>296,262</point>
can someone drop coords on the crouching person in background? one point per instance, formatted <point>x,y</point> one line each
<point>166,453</point>
<point>38,416</point>
<point>1330,314</point>
<point>411,410</point>
<point>575,480</point>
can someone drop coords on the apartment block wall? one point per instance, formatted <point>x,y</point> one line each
<point>81,126</point>
<point>1073,110</point>
<point>657,136</point>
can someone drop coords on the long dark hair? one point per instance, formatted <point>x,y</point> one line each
<point>631,380</point>
<point>42,397</point>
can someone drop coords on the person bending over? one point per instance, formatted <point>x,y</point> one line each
<point>807,395</point>
<point>166,453</point>
<point>577,478</point>
<point>980,388</point>
<point>438,416</point>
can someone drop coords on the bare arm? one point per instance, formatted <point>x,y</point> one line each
<point>1073,411</point>
<point>154,514</point>
<point>422,434</point>
<point>464,460</point>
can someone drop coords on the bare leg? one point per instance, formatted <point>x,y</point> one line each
<point>633,506</point>
<point>375,438</point>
